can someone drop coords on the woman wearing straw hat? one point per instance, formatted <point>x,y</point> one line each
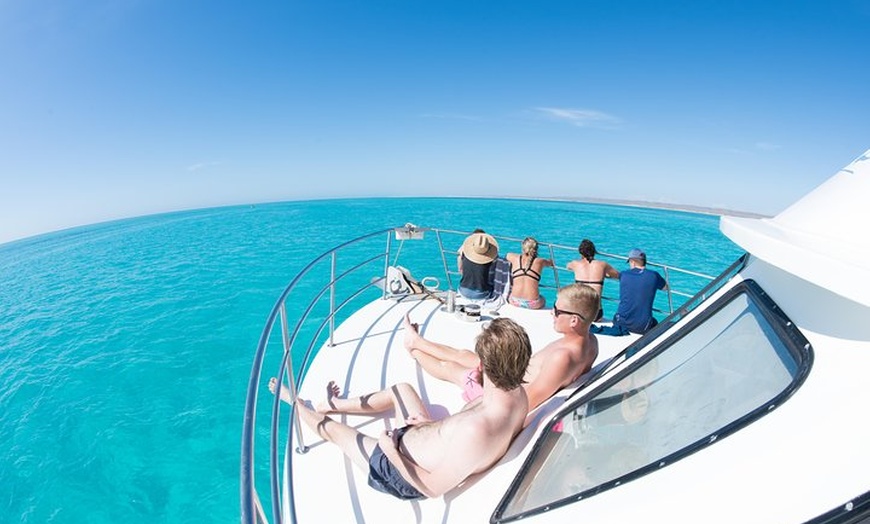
<point>476,256</point>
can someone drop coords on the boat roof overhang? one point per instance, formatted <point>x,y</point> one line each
<point>821,238</point>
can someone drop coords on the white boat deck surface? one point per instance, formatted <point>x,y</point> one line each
<point>327,487</point>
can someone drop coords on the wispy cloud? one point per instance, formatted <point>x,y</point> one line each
<point>202,165</point>
<point>580,117</point>
<point>452,116</point>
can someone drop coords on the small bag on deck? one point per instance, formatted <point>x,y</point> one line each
<point>399,282</point>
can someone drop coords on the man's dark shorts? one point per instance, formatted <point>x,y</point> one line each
<point>384,477</point>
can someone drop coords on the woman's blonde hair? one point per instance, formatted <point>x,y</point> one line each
<point>530,247</point>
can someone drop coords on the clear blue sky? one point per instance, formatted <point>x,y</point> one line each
<point>119,108</point>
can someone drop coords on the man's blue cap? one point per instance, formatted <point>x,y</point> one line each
<point>637,254</point>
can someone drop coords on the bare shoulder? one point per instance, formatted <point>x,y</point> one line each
<point>577,350</point>
<point>557,353</point>
<point>576,356</point>
<point>558,364</point>
<point>590,346</point>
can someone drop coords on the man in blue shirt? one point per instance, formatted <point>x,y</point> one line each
<point>637,291</point>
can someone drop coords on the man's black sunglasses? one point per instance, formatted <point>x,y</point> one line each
<point>557,312</point>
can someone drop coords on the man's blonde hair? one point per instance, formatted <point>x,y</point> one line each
<point>582,299</point>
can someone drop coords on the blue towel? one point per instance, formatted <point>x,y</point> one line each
<point>501,277</point>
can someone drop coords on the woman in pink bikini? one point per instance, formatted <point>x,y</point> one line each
<point>526,270</point>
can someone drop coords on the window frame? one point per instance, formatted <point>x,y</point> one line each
<point>785,330</point>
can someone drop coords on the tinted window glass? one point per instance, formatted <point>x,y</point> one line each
<point>722,372</point>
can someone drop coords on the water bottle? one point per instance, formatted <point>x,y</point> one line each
<point>451,301</point>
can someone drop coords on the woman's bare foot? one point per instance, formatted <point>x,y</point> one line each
<point>285,393</point>
<point>332,392</point>
<point>412,335</point>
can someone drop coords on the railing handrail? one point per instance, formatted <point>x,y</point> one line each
<point>552,247</point>
<point>251,509</point>
<point>248,495</point>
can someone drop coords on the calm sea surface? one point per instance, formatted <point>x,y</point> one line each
<point>125,347</point>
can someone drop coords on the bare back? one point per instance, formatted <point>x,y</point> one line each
<point>592,273</point>
<point>526,286</point>
<point>471,440</point>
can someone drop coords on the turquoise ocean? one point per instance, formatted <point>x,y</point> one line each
<point>126,346</point>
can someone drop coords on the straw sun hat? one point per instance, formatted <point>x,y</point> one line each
<point>480,248</point>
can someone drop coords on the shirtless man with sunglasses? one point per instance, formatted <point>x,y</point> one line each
<point>551,368</point>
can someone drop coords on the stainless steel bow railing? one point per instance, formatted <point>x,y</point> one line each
<point>352,264</point>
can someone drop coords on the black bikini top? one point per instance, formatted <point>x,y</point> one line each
<point>526,271</point>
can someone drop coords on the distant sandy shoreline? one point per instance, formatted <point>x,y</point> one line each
<point>643,203</point>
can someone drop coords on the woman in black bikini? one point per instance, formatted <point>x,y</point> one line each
<point>526,271</point>
<point>591,272</point>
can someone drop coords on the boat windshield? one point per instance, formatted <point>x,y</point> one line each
<point>729,366</point>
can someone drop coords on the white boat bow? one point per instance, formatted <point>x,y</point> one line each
<point>745,404</point>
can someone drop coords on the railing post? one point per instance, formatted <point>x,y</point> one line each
<point>288,355</point>
<point>444,259</point>
<point>670,295</point>
<point>555,269</point>
<point>387,263</point>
